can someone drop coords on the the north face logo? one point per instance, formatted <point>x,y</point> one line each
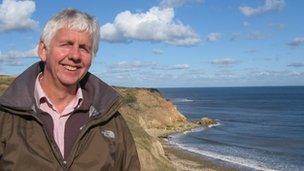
<point>108,134</point>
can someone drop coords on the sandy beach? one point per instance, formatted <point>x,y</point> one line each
<point>187,161</point>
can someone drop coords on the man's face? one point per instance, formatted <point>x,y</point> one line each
<point>68,57</point>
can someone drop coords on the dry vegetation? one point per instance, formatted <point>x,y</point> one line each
<point>5,81</point>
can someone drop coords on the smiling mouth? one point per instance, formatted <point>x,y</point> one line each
<point>70,68</point>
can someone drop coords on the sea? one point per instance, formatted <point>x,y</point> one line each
<point>259,128</point>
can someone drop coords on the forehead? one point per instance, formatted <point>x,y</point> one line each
<point>67,34</point>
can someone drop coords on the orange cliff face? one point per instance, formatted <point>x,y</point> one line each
<point>152,109</point>
<point>175,115</point>
<point>149,115</point>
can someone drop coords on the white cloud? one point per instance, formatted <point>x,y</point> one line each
<point>253,35</point>
<point>176,3</point>
<point>154,25</point>
<point>251,51</point>
<point>13,57</point>
<point>16,15</point>
<point>256,35</point>
<point>224,62</point>
<point>212,37</point>
<point>295,73</point>
<point>245,23</point>
<point>277,26</point>
<point>136,66</point>
<point>133,64</point>
<point>268,6</point>
<point>297,41</point>
<point>274,73</point>
<point>172,67</point>
<point>225,74</point>
<point>296,64</point>
<point>157,52</point>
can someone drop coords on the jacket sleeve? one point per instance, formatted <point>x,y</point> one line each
<point>130,160</point>
<point>5,129</point>
<point>2,136</point>
<point>1,149</point>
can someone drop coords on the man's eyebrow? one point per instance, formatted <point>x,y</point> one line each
<point>66,41</point>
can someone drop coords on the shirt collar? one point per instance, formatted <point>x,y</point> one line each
<point>41,97</point>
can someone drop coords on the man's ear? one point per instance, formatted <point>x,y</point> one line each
<point>42,51</point>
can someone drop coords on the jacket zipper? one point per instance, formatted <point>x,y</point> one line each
<point>93,122</point>
<point>51,142</point>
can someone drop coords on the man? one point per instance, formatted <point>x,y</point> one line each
<point>56,115</point>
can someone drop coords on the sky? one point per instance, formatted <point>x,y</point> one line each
<point>172,43</point>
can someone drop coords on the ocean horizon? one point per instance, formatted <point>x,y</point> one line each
<point>260,128</point>
<point>248,86</point>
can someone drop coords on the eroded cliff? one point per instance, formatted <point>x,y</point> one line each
<point>150,115</point>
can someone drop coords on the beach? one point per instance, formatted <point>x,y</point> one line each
<point>184,160</point>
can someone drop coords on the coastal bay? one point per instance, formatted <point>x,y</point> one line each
<point>159,119</point>
<point>259,128</point>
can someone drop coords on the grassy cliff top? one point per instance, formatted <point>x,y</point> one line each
<point>5,81</point>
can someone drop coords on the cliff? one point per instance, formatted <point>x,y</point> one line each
<point>148,115</point>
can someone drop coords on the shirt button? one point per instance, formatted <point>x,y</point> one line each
<point>64,162</point>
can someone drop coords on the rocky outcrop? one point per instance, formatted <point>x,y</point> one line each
<point>207,122</point>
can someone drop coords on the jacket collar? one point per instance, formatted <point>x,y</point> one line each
<point>99,97</point>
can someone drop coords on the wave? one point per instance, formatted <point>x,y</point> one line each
<point>214,125</point>
<point>231,159</point>
<point>194,130</point>
<point>181,100</point>
<point>199,129</point>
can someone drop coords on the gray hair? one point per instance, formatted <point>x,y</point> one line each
<point>72,19</point>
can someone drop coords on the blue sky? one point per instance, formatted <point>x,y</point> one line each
<point>172,43</point>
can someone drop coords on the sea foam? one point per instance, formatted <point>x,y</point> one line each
<point>231,159</point>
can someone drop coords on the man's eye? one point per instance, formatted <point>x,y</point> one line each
<point>85,49</point>
<point>66,44</point>
<point>63,45</point>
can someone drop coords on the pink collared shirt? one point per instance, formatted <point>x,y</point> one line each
<point>59,118</point>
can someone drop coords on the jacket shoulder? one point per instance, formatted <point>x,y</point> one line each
<point>130,157</point>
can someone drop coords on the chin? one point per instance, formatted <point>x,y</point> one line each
<point>69,82</point>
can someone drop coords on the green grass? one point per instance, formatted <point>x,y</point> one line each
<point>129,98</point>
<point>5,81</point>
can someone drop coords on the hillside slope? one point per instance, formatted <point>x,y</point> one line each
<point>150,115</point>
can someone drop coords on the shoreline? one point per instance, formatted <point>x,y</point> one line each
<point>184,160</point>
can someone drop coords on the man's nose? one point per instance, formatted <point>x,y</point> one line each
<point>75,53</point>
